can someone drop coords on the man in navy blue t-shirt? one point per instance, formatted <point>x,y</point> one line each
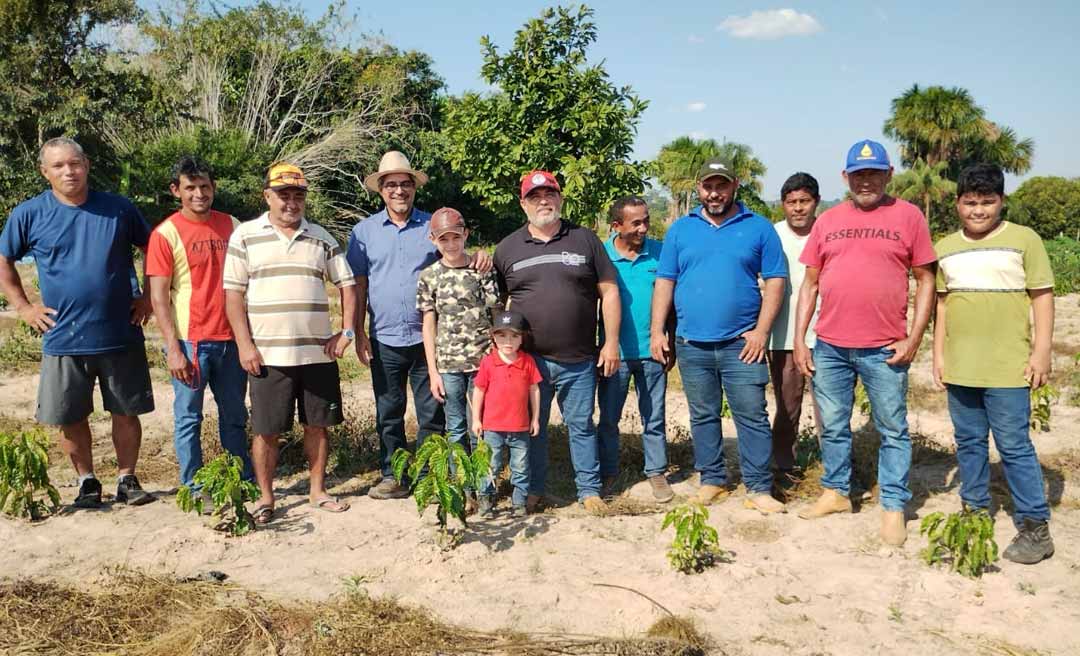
<point>709,268</point>
<point>90,312</point>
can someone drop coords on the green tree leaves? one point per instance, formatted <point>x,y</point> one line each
<point>553,111</point>
<point>964,540</point>
<point>440,472</point>
<point>1049,205</point>
<point>24,474</point>
<point>222,480</point>
<point>696,544</point>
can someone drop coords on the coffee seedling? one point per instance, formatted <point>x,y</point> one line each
<point>440,472</point>
<point>222,480</point>
<point>807,448</point>
<point>696,544</point>
<point>1041,400</point>
<point>24,473</point>
<point>965,540</point>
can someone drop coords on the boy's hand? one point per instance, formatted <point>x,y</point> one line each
<point>939,373</point>
<point>1037,371</point>
<point>437,389</point>
<point>534,427</point>
<point>804,359</point>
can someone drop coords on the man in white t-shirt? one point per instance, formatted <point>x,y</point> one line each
<point>799,197</point>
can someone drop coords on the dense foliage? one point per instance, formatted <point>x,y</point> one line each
<point>24,476</point>
<point>964,540</point>
<point>221,481</point>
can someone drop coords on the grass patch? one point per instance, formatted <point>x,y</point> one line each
<point>20,349</point>
<point>138,614</point>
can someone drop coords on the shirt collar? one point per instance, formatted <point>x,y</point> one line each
<point>519,363</point>
<point>564,228</point>
<point>267,225</point>
<point>740,214</point>
<point>415,216</point>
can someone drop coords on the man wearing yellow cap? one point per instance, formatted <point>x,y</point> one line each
<point>277,306</point>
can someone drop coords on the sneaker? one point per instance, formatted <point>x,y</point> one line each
<point>388,488</point>
<point>89,495</point>
<point>1032,544</point>
<point>661,489</point>
<point>519,512</point>
<point>485,506</point>
<point>130,492</point>
<point>594,505</point>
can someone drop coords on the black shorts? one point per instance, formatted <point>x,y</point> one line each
<point>66,388</point>
<point>277,392</point>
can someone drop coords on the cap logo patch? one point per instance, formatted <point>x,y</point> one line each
<point>538,179</point>
<point>716,167</point>
<point>866,152</point>
<point>506,320</point>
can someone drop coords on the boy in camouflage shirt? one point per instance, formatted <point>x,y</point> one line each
<point>455,301</point>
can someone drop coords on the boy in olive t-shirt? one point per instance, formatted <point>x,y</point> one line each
<point>991,274</point>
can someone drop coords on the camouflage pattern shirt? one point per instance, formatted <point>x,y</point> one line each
<point>461,299</point>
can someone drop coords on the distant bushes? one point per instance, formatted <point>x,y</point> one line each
<point>1065,261</point>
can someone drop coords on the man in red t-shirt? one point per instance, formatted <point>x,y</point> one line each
<point>858,256</point>
<point>185,263</point>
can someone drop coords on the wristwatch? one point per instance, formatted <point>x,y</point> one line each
<point>349,334</point>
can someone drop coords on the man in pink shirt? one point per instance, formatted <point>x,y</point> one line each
<point>858,257</point>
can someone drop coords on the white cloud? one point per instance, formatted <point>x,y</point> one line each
<point>694,38</point>
<point>771,24</point>
<point>696,107</point>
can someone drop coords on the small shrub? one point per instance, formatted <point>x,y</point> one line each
<point>1065,262</point>
<point>3,302</point>
<point>696,544</point>
<point>449,471</point>
<point>20,348</point>
<point>24,473</point>
<point>964,539</point>
<point>1041,401</point>
<point>807,448</point>
<point>862,399</point>
<point>222,480</point>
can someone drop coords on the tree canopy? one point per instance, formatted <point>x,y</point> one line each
<point>677,166</point>
<point>552,110</point>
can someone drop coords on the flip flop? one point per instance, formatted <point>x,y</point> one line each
<point>323,505</point>
<point>263,514</point>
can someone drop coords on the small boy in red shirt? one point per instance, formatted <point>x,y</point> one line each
<point>506,395</point>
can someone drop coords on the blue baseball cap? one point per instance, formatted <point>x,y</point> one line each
<point>867,154</point>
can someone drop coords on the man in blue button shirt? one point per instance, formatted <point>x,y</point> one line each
<point>709,267</point>
<point>387,251</point>
<point>636,258</point>
<point>90,313</point>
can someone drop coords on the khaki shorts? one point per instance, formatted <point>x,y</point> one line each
<point>66,390</point>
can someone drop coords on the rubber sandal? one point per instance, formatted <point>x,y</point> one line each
<point>263,514</point>
<point>322,505</point>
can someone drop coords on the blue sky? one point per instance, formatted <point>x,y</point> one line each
<point>799,99</point>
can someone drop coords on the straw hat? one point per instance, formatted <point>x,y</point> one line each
<point>394,162</point>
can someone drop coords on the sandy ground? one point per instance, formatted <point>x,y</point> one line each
<point>794,587</point>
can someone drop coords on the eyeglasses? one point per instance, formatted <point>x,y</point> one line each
<point>408,185</point>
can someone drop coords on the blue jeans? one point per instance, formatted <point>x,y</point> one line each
<point>1005,411</point>
<point>457,408</point>
<point>574,385</point>
<point>518,445</point>
<point>392,367</point>
<point>711,370</point>
<point>218,366</point>
<point>650,381</point>
<point>886,387</point>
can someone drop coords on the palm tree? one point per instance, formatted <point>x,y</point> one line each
<point>937,125</point>
<point>678,164</point>
<point>925,184</point>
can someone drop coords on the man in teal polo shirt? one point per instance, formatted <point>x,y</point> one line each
<point>709,270</point>
<point>636,258</point>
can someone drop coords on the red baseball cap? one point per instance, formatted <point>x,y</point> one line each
<point>537,179</point>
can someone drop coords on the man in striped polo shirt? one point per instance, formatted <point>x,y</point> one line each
<point>276,303</point>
